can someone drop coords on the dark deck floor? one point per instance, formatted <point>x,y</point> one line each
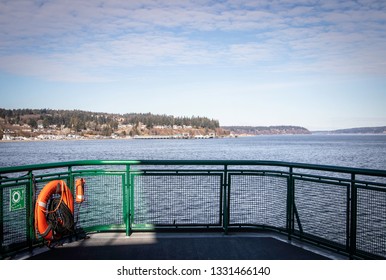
<point>182,246</point>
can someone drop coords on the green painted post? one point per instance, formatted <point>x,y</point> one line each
<point>30,209</point>
<point>226,198</point>
<point>348,217</point>
<point>290,204</point>
<point>127,201</point>
<point>132,198</point>
<point>70,180</point>
<point>353,229</point>
<point>1,221</point>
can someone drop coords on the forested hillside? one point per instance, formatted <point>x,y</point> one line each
<point>96,123</point>
<point>82,119</point>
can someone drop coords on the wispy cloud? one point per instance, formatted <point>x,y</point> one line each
<point>79,40</point>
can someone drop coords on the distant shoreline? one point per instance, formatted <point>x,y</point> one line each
<point>356,130</point>
<point>228,137</point>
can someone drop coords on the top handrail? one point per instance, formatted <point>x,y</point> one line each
<point>329,168</point>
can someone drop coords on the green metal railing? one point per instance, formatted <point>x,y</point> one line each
<point>340,208</point>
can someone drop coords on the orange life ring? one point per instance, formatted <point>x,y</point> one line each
<point>41,212</point>
<point>79,190</point>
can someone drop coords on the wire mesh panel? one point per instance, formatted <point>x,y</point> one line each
<point>322,208</point>
<point>177,199</point>
<point>258,200</point>
<point>103,203</point>
<point>371,220</point>
<point>14,215</point>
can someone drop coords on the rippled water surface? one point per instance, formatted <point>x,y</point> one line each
<point>365,151</point>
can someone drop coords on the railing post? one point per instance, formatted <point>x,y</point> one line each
<point>290,204</point>
<point>1,220</point>
<point>353,222</point>
<point>70,180</point>
<point>127,200</point>
<point>226,197</point>
<point>30,194</point>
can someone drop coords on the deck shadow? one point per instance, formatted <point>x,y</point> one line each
<point>177,247</point>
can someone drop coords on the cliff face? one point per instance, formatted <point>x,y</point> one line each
<point>266,130</point>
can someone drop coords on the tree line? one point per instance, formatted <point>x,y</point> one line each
<point>151,120</point>
<point>80,120</point>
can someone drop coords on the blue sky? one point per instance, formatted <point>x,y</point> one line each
<point>318,64</point>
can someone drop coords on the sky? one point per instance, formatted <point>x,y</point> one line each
<point>320,64</point>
